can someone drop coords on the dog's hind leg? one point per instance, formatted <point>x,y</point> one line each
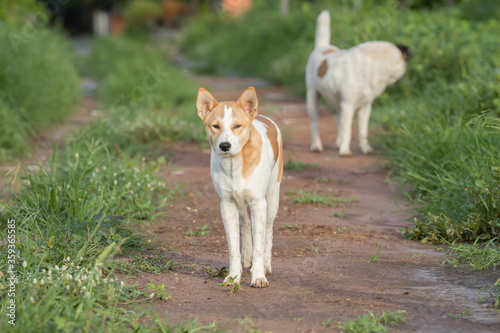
<point>312,110</point>
<point>272,198</point>
<point>230,218</point>
<point>339,128</point>
<point>363,119</point>
<point>246,236</point>
<point>346,116</point>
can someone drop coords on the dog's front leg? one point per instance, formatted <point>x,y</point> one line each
<point>363,119</point>
<point>230,217</point>
<point>258,209</point>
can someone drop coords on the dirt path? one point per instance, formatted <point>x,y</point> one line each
<point>307,287</point>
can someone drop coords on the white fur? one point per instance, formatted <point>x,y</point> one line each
<point>354,78</point>
<point>260,192</point>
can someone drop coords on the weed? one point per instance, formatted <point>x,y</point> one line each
<point>199,231</point>
<point>291,226</point>
<point>156,265</point>
<point>236,286</point>
<point>216,272</point>
<point>314,249</point>
<point>158,291</point>
<point>462,315</point>
<point>343,229</point>
<point>332,180</point>
<point>372,322</point>
<point>338,215</point>
<point>375,257</point>
<point>312,197</point>
<point>299,319</point>
<point>478,255</point>
<point>327,323</point>
<point>298,166</point>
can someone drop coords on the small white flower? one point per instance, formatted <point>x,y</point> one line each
<point>42,282</point>
<point>151,295</point>
<point>25,264</point>
<point>56,267</point>
<point>67,287</point>
<point>122,284</point>
<point>77,155</point>
<point>34,281</point>
<point>32,300</point>
<point>115,182</point>
<point>63,268</point>
<point>87,294</point>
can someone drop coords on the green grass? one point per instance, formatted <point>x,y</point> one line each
<point>371,322</point>
<point>38,88</point>
<point>479,256</point>
<point>298,166</point>
<point>313,197</point>
<point>199,231</point>
<point>150,101</point>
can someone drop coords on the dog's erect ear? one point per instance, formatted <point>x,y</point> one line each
<point>248,102</point>
<point>405,50</point>
<point>205,103</point>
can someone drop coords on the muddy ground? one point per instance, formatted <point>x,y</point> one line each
<point>323,267</point>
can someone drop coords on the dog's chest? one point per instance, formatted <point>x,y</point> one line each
<point>229,181</point>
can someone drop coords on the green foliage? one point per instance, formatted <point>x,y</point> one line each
<point>38,88</point>
<point>149,99</point>
<point>312,197</point>
<point>141,15</point>
<point>290,165</point>
<point>371,322</point>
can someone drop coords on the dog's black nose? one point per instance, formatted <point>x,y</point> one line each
<point>225,146</point>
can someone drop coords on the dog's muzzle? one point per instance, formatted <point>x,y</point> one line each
<point>225,146</point>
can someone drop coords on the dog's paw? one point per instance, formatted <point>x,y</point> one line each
<point>345,152</point>
<point>366,149</point>
<point>247,264</point>
<point>268,270</point>
<point>317,147</point>
<point>260,283</point>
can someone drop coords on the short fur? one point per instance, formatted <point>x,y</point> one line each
<point>350,80</point>
<point>246,166</point>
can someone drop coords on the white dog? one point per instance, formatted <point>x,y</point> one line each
<point>246,167</point>
<point>350,80</point>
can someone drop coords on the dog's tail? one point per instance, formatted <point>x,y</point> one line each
<point>322,30</point>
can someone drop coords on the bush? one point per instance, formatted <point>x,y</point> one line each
<point>149,100</point>
<point>38,88</point>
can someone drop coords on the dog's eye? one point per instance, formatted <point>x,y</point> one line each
<point>237,126</point>
<point>216,126</point>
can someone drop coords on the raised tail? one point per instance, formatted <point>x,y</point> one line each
<point>322,30</point>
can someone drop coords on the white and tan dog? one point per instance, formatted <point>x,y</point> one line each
<point>246,167</point>
<point>350,80</point>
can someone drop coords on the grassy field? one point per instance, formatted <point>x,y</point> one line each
<point>38,88</point>
<point>450,162</point>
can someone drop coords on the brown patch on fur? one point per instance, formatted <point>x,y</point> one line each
<point>272,134</point>
<point>322,69</point>
<point>251,152</point>
<point>328,51</point>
